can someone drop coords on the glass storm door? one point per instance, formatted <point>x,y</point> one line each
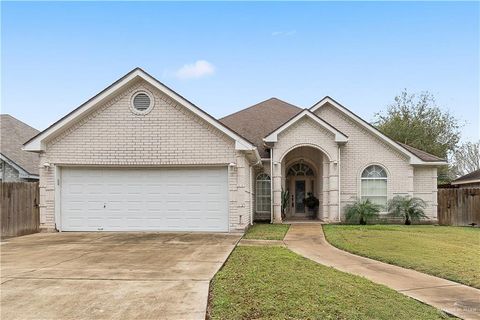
<point>299,196</point>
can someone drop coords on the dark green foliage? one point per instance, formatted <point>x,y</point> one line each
<point>416,120</point>
<point>410,209</point>
<point>361,211</point>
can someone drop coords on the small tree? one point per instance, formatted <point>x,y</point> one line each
<point>465,159</point>
<point>410,209</point>
<point>416,120</point>
<point>361,211</point>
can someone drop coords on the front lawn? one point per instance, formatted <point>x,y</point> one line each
<point>267,231</point>
<point>275,283</point>
<point>447,252</point>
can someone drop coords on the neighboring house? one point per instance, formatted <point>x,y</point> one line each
<point>470,180</point>
<point>15,163</point>
<point>138,156</point>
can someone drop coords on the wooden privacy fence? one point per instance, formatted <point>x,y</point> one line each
<point>459,207</point>
<point>19,208</point>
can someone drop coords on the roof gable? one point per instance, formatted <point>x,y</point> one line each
<point>255,122</point>
<point>37,142</point>
<point>339,136</point>
<point>13,134</point>
<point>417,157</point>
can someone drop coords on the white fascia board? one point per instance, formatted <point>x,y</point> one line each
<point>38,145</point>
<point>273,137</point>
<point>465,182</point>
<point>414,160</point>
<point>427,163</point>
<point>239,145</point>
<point>254,151</point>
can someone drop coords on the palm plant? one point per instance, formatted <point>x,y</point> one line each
<point>410,209</point>
<point>361,211</point>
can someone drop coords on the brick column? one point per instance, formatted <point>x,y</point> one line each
<point>333,191</point>
<point>277,192</point>
<point>325,188</point>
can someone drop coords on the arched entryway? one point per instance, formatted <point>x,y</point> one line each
<point>305,172</point>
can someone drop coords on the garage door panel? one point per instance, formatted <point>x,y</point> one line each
<point>144,199</point>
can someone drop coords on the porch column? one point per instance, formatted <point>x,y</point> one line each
<point>325,188</point>
<point>277,191</point>
<point>333,191</point>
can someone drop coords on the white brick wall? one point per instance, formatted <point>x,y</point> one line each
<point>306,132</point>
<point>170,135</point>
<point>425,187</point>
<point>364,148</point>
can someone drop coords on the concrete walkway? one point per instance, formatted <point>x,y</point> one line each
<point>462,301</point>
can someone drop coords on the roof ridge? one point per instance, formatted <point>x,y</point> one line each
<point>256,104</point>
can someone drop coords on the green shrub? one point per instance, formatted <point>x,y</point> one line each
<point>361,211</point>
<point>410,209</point>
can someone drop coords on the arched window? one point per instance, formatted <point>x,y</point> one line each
<point>300,169</point>
<point>263,193</point>
<point>374,185</point>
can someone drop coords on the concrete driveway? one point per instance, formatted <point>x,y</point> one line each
<point>110,275</point>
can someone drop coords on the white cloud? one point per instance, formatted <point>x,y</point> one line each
<point>199,69</point>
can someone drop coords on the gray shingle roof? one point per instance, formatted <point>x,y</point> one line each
<point>425,156</point>
<point>255,122</point>
<point>13,134</point>
<point>475,175</point>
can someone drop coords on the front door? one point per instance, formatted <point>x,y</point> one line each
<point>299,196</point>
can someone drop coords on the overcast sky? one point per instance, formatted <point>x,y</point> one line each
<point>227,56</point>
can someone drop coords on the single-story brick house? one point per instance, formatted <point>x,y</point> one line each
<point>138,156</point>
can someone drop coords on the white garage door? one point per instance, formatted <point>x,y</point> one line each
<point>144,199</point>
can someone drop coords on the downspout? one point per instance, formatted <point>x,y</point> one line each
<point>271,185</point>
<point>339,184</point>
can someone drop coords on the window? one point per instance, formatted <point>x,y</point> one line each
<point>263,193</point>
<point>142,102</point>
<point>300,169</point>
<point>374,185</point>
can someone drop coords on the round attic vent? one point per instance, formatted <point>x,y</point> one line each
<point>142,102</point>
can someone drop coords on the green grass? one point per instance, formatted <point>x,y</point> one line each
<point>275,283</point>
<point>267,231</point>
<point>447,252</point>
